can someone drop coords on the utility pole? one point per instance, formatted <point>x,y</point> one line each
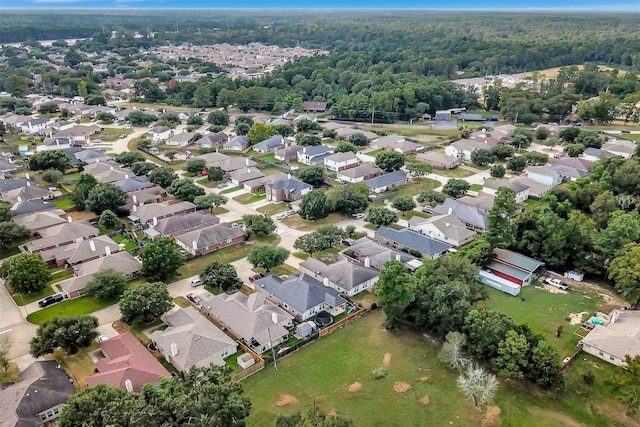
<point>373,114</point>
<point>273,351</point>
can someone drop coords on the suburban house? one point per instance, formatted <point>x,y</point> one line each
<point>509,266</point>
<point>289,153</point>
<point>134,183</point>
<point>340,161</point>
<point>387,181</point>
<point>359,173</point>
<point>183,223</point>
<point>146,195</point>
<point>492,185</point>
<point>620,147</point>
<point>54,144</point>
<point>28,207</point>
<point>180,139</point>
<point>384,142</point>
<point>544,175</point>
<point>61,235</point>
<point>226,163</point>
<point>474,218</point>
<point>212,140</point>
<point>151,213</point>
<point>253,319</point>
<point>286,190</point>
<point>37,398</point>
<point>445,228</point>
<point>594,154</point>
<point>86,156</point>
<point>301,294</point>
<point>439,160</point>
<point>41,220</point>
<point>617,337</point>
<point>412,240</point>
<point>127,364</point>
<point>483,134</point>
<point>160,133</point>
<point>77,135</point>
<point>239,143</point>
<point>370,253</point>
<point>34,126</point>
<point>315,106</point>
<point>81,251</point>
<point>192,340</point>
<point>122,261</point>
<point>240,176</point>
<point>28,192</point>
<point>270,144</point>
<point>536,189</point>
<point>464,147</point>
<point>343,275</point>
<point>108,172</point>
<point>209,239</point>
<point>345,132</point>
<point>572,168</point>
<point>315,155</point>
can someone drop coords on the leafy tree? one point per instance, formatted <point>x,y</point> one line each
<point>314,206</point>
<point>602,208</point>
<point>485,329</point>
<point>138,118</point>
<point>516,164</point>
<point>242,128</point>
<point>403,203</point>
<point>542,133</point>
<point>267,256</point>
<point>497,171</point>
<point>284,129</point>
<point>623,228</point>
<point>479,251</point>
<point>295,419</point>
<point>574,150</point>
<point>5,211</point>
<point>105,405</point>
<point>624,271</point>
<point>306,125</point>
<point>128,158</point>
<point>501,228</point>
<point>48,108</point>
<point>627,384</point>
<point>311,243</point>
<point>502,151</point>
<point>108,283</point>
<point>349,199</point>
<point>307,140</point>
<point>162,176</point>
<point>431,197</point>
<point>51,176</point>
<point>477,384</point>
<point>521,138</point>
<point>109,220</point>
<point>50,159</point>
<point>185,189</point>
<point>513,356</point>
<point>330,133</point>
<point>219,118</point>
<point>569,134</point>
<point>85,183</point>
<point>222,276</point>
<point>534,158</point>
<point>395,291</point>
<point>171,155</point>
<point>390,161</point>
<point>255,224</point>
<point>451,352</point>
<point>359,140</point>
<point>11,234</point>
<point>544,368</point>
<point>456,187</point>
<point>312,175</point>
<point>482,157</point>
<point>589,139</point>
<point>70,333</point>
<point>332,234</point>
<point>211,200</point>
<point>419,168</point>
<point>5,348</point>
<point>215,173</point>
<point>160,259</point>
<point>104,197</point>
<point>381,217</point>
<point>26,273</point>
<point>195,166</point>
<point>145,303</point>
<point>195,120</point>
<point>259,132</point>
<point>143,168</point>
<point>345,147</point>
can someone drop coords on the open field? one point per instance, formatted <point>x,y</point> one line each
<point>458,172</point>
<point>298,223</point>
<point>327,369</point>
<point>552,73</point>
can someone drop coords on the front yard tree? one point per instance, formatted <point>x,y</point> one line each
<point>218,118</point>
<point>314,206</point>
<point>545,367</point>
<point>574,150</point>
<point>308,140</point>
<point>110,220</point>
<point>267,256</point>
<point>349,199</point>
<point>86,182</point>
<point>482,157</point>
<point>431,197</point>
<point>497,171</point>
<point>542,133</point>
<point>456,187</point>
<point>358,139</point>
<point>395,291</point>
<point>50,159</point>
<point>163,176</point>
<point>311,243</point>
<point>516,164</point>
<point>70,333</point>
<point>332,234</point>
<point>477,384</point>
<point>306,125</point>
<point>128,158</point>
<point>143,168</point>
<point>624,270</point>
<point>255,224</point>
<point>569,134</point>
<point>160,259</point>
<point>345,147</point>
<point>403,204</point>
<point>195,166</point>
<point>106,196</point>
<point>627,383</point>
<point>500,219</point>
<point>419,168</point>
<point>221,276</point>
<point>107,283</point>
<point>145,303</point>
<point>6,214</point>
<point>390,161</point>
<point>211,200</point>
<point>103,405</point>
<point>503,151</point>
<point>185,189</point>
<point>312,175</point>
<point>12,233</point>
<point>215,173</point>
<point>381,217</point>
<point>51,176</point>
<point>26,273</point>
<point>259,132</point>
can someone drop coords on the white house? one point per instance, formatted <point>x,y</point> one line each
<point>34,126</point>
<point>544,175</point>
<point>464,147</point>
<point>315,155</point>
<point>491,186</point>
<point>360,173</point>
<point>180,139</point>
<point>343,275</point>
<point>618,336</point>
<point>159,133</point>
<point>445,228</point>
<point>341,161</point>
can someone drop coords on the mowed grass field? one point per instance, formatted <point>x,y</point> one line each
<point>326,369</point>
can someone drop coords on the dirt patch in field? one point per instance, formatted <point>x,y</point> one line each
<point>491,417</point>
<point>332,412</point>
<point>355,387</point>
<point>401,387</point>
<point>552,289</point>
<point>425,379</point>
<point>576,318</point>
<point>555,416</point>
<point>425,399</point>
<point>386,360</point>
<point>286,399</point>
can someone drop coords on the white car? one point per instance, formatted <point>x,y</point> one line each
<point>556,283</point>
<point>196,281</point>
<point>359,215</point>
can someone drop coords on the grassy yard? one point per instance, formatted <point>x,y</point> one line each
<point>416,186</point>
<point>284,270</point>
<point>182,302</point>
<point>273,208</point>
<point>15,250</point>
<point>80,366</point>
<point>458,172</point>
<point>24,299</point>
<point>249,198</point>
<point>301,224</point>
<point>70,308</point>
<point>270,170</point>
<point>63,203</point>
<point>410,214</point>
<point>271,158</point>
<point>129,244</point>
<point>61,275</point>
<point>219,210</point>
<point>325,370</point>
<point>231,189</point>
<point>475,187</point>
<point>301,255</point>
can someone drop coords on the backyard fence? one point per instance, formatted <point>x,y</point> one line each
<point>260,364</point>
<point>340,323</point>
<point>288,350</point>
<point>568,362</point>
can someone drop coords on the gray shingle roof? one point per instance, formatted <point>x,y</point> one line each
<point>31,206</point>
<point>180,223</point>
<point>295,186</point>
<point>270,143</point>
<point>343,273</point>
<point>210,236</point>
<point>467,214</point>
<point>364,169</point>
<point>386,179</point>
<point>378,254</point>
<point>414,240</point>
<point>316,150</point>
<point>516,186</point>
<point>62,233</point>
<point>133,184</point>
<point>239,141</point>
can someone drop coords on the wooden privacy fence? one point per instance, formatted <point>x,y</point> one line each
<point>340,323</point>
<point>260,364</point>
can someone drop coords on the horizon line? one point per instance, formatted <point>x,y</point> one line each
<point>587,9</point>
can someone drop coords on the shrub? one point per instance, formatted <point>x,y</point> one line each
<point>589,378</point>
<point>379,373</point>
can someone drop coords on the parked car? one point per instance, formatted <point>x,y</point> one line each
<point>123,136</point>
<point>625,131</point>
<point>556,283</point>
<point>359,215</point>
<point>46,302</point>
<point>102,338</point>
<point>427,209</point>
<point>196,281</point>
<point>255,277</point>
<point>222,185</point>
<point>203,173</point>
<point>281,216</point>
<point>194,298</point>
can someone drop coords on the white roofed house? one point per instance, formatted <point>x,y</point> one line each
<point>180,139</point>
<point>464,147</point>
<point>445,228</point>
<point>544,175</point>
<point>341,161</point>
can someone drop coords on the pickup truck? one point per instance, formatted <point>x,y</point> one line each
<point>556,283</point>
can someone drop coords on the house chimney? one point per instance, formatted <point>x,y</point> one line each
<point>304,150</point>
<point>26,175</point>
<point>135,208</point>
<point>398,257</point>
<point>248,170</point>
<point>367,261</point>
<point>155,221</point>
<point>194,245</point>
<point>69,219</point>
<point>19,199</point>
<point>135,199</point>
<point>450,211</point>
<point>128,385</point>
<point>174,349</point>
<point>274,317</point>
<point>92,245</point>
<point>325,282</point>
<point>447,225</point>
<point>107,251</point>
<point>246,161</point>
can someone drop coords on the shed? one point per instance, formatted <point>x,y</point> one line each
<point>245,360</point>
<point>496,282</point>
<point>574,275</point>
<point>305,329</point>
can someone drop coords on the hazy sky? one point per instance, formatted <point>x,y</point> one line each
<point>628,5</point>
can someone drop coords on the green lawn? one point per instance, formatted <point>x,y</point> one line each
<point>219,210</point>
<point>231,189</point>
<point>458,172</point>
<point>301,255</point>
<point>475,187</point>
<point>410,214</point>
<point>14,250</point>
<point>270,170</point>
<point>416,186</point>
<point>295,221</point>
<point>249,198</point>
<point>74,307</point>
<point>323,371</point>
<point>273,208</point>
<point>129,244</point>
<point>63,203</point>
<point>271,158</point>
<point>24,299</point>
<point>61,275</point>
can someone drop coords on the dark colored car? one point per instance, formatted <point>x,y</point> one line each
<point>255,277</point>
<point>46,302</point>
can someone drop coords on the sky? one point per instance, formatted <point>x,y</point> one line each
<point>577,5</point>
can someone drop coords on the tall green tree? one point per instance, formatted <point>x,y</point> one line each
<point>160,259</point>
<point>456,187</point>
<point>485,329</point>
<point>185,189</point>
<point>11,234</point>
<point>390,161</point>
<point>501,230</point>
<point>312,175</point>
<point>109,220</point>
<point>513,356</point>
<point>70,333</point>
<point>267,256</point>
<point>349,199</point>
<point>86,182</point>
<point>26,273</point>
<point>545,367</point>
<point>627,384</point>
<point>128,158</point>
<point>163,176</point>
<point>403,204</point>
<point>255,224</point>
<point>50,159</point>
<point>107,283</point>
<point>221,276</point>
<point>395,292</point>
<point>381,217</point>
<point>145,303</point>
<point>104,197</point>
<point>624,270</point>
<point>314,206</point>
